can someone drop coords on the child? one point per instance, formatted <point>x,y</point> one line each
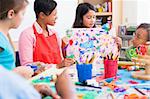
<point>142,35</point>
<point>15,87</point>
<point>85,16</point>
<point>11,14</point>
<point>39,42</point>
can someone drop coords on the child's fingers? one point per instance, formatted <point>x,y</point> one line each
<point>69,60</point>
<point>47,90</point>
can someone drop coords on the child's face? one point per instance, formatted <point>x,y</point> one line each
<point>17,18</point>
<point>51,19</point>
<point>89,19</point>
<point>140,37</point>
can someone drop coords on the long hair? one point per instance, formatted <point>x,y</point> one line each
<point>81,10</point>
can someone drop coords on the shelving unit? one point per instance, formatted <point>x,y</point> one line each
<point>125,45</point>
<point>126,38</point>
<point>103,13</point>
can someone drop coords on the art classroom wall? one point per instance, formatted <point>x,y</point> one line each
<point>65,11</point>
<point>136,12</point>
<point>143,10</point>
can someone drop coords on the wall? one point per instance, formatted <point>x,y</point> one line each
<point>136,12</point>
<point>66,15</point>
<point>117,13</point>
<point>143,9</point>
<point>129,15</point>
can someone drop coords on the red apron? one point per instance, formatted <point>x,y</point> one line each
<point>46,49</point>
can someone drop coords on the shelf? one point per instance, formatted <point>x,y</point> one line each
<point>124,48</point>
<point>103,13</point>
<point>127,37</point>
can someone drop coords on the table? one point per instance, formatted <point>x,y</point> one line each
<point>124,80</point>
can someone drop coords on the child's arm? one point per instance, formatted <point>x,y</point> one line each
<point>66,62</point>
<point>65,87</point>
<point>118,40</point>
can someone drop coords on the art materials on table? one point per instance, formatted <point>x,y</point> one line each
<point>34,67</point>
<point>84,72</point>
<point>139,91</point>
<point>135,96</point>
<point>86,85</point>
<point>110,65</point>
<point>133,68</point>
<point>43,79</point>
<point>110,68</point>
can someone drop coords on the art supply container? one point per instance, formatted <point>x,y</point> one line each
<point>110,68</point>
<point>84,72</point>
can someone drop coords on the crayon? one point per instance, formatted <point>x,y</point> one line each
<point>87,59</point>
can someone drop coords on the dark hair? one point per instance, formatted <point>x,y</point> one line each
<point>146,27</point>
<point>45,6</point>
<point>6,5</point>
<point>81,10</point>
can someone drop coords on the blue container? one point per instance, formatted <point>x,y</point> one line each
<point>84,72</point>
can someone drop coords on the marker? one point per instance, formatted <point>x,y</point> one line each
<point>85,85</point>
<point>34,67</point>
<point>140,91</point>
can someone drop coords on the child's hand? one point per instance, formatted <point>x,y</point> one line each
<point>64,83</point>
<point>40,70</point>
<point>66,62</point>
<point>65,40</point>
<point>118,40</point>
<point>46,90</point>
<point>38,63</point>
<point>24,71</point>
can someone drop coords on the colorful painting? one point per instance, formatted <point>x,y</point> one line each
<point>85,43</point>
